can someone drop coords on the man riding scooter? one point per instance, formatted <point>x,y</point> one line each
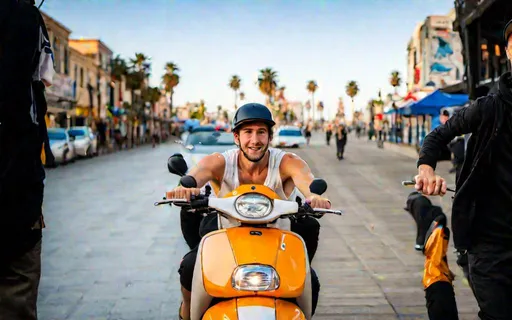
<point>253,162</point>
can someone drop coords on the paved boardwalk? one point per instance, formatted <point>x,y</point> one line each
<point>109,254</point>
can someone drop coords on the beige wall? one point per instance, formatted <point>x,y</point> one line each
<point>100,56</point>
<point>82,71</point>
<point>59,36</point>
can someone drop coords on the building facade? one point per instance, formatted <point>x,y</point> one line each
<point>101,55</point>
<point>434,54</point>
<point>481,24</point>
<point>84,75</point>
<point>60,95</point>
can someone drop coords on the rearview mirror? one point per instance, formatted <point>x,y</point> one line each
<point>318,186</point>
<point>177,165</point>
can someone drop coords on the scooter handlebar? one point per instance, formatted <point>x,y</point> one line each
<point>412,183</point>
<point>201,202</point>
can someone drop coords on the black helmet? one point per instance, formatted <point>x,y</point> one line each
<point>252,112</point>
<point>507,32</point>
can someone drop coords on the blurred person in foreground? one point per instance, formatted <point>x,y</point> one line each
<point>26,67</point>
<point>482,205</point>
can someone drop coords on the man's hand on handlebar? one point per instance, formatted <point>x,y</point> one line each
<point>316,201</point>
<point>182,193</point>
<point>428,182</point>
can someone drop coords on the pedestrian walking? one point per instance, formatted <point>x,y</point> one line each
<point>341,140</point>
<point>482,206</point>
<point>26,67</point>
<point>328,132</point>
<point>307,131</point>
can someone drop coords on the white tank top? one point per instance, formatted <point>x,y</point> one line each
<point>273,181</point>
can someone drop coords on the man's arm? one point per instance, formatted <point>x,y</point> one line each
<point>464,121</point>
<point>298,170</point>
<point>208,168</point>
<point>295,168</point>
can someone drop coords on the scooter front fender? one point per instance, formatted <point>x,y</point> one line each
<point>254,308</point>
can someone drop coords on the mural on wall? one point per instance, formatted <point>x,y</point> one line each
<point>446,65</point>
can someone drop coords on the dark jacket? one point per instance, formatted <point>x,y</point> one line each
<point>484,119</point>
<point>21,139</point>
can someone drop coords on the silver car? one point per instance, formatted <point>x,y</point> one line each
<point>200,144</point>
<point>85,142</point>
<point>61,145</point>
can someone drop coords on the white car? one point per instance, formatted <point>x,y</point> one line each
<point>288,136</point>
<point>85,142</point>
<point>203,143</point>
<point>61,145</point>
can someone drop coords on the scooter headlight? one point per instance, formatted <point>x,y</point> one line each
<point>253,206</point>
<point>255,278</point>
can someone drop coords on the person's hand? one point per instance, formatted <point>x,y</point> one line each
<point>428,182</point>
<point>182,193</point>
<point>316,201</point>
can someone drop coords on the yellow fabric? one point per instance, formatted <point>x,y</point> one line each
<point>436,264</point>
<point>43,154</point>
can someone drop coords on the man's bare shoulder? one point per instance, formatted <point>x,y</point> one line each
<point>291,161</point>
<point>212,161</point>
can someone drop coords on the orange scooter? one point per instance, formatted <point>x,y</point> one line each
<point>253,262</point>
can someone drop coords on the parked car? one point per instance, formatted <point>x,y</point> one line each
<point>61,145</point>
<point>203,128</point>
<point>202,143</point>
<point>85,141</point>
<point>288,136</point>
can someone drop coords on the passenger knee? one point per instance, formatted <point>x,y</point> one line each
<point>186,269</point>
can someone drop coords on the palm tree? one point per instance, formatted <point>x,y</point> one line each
<point>219,111</point>
<point>141,64</point>
<point>352,89</point>
<point>311,87</point>
<point>170,80</point>
<point>267,83</point>
<point>234,84</point>
<point>395,80</point>
<point>119,70</point>
<point>140,69</point>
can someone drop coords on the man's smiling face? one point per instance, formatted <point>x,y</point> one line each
<point>254,140</point>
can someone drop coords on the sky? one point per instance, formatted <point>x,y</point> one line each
<point>331,42</point>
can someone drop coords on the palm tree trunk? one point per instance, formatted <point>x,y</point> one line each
<point>313,106</point>
<point>171,102</point>
<point>353,107</point>
<point>236,97</point>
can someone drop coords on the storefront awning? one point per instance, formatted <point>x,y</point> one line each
<point>433,103</point>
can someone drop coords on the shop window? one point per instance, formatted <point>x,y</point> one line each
<point>81,77</point>
<point>66,61</point>
<point>484,61</point>
<point>56,53</point>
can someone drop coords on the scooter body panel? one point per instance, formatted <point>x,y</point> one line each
<point>254,308</point>
<point>221,252</point>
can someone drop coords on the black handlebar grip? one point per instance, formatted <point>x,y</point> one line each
<point>188,182</point>
<point>198,204</point>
